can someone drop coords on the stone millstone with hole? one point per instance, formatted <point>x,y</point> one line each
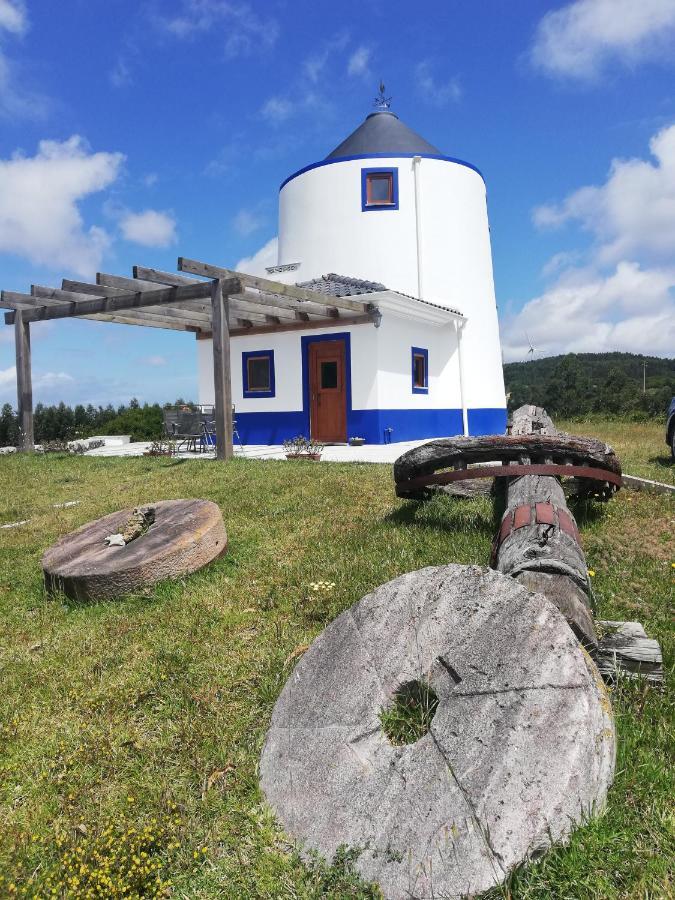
<point>520,750</point>
<point>185,535</point>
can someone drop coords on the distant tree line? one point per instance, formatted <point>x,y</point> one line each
<point>579,384</point>
<point>66,423</point>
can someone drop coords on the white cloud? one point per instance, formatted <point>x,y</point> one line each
<point>579,39</point>
<point>16,99</point>
<point>630,309</point>
<point>243,31</point>
<point>247,221</point>
<point>623,296</point>
<point>151,228</point>
<point>52,379</point>
<point>633,212</point>
<point>558,262</point>
<point>359,62</point>
<point>154,361</point>
<point>120,74</point>
<point>306,92</point>
<point>277,109</point>
<point>315,65</point>
<point>39,195</point>
<point>42,382</point>
<point>256,264</point>
<point>433,92</point>
<point>13,17</point>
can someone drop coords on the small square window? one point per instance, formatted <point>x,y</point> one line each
<point>329,374</point>
<point>379,189</point>
<point>258,373</point>
<point>420,370</point>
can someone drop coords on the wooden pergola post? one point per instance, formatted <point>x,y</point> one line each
<point>24,383</point>
<point>221,371</point>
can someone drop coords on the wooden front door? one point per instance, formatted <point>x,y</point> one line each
<point>328,391</point>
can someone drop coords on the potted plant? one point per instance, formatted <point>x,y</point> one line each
<point>302,448</point>
<point>161,447</point>
<point>356,441</point>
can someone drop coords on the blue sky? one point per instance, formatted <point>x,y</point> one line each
<point>134,132</point>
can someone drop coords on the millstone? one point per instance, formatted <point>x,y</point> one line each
<point>520,749</point>
<point>186,535</point>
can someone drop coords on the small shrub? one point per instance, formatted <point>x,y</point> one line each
<point>162,447</point>
<point>302,446</point>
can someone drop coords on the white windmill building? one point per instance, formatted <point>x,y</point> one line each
<point>402,223</point>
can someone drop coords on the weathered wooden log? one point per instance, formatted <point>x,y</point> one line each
<point>467,489</point>
<point>624,648</point>
<point>529,419</point>
<point>186,535</point>
<point>634,483</point>
<point>538,541</point>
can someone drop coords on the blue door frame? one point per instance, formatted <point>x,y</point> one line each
<point>305,342</point>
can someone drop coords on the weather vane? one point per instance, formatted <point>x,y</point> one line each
<point>381,102</point>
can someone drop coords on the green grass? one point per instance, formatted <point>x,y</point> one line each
<point>409,717</point>
<point>137,724</point>
<point>641,446</point>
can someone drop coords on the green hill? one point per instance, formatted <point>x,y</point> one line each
<point>583,383</point>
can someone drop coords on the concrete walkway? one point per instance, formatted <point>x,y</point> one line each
<point>372,453</point>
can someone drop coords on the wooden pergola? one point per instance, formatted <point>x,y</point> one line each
<point>228,303</point>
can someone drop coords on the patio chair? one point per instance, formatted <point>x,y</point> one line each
<point>184,427</point>
<point>209,431</point>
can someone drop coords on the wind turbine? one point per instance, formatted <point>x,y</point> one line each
<point>532,349</point>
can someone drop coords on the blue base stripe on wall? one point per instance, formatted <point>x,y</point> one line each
<point>487,421</point>
<point>377,426</point>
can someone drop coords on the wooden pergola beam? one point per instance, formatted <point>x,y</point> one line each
<point>255,301</point>
<point>131,301</point>
<point>222,379</point>
<point>195,267</point>
<point>189,316</point>
<point>126,285</point>
<point>159,277</point>
<point>261,309</point>
<point>301,308</point>
<point>159,320</point>
<point>298,326</point>
<point>24,383</point>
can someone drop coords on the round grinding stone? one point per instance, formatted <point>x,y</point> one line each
<point>186,535</point>
<point>521,747</point>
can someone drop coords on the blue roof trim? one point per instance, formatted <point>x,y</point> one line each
<point>339,159</point>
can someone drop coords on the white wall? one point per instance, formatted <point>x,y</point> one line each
<point>288,368</point>
<point>395,339</point>
<point>322,226</point>
<point>380,359</point>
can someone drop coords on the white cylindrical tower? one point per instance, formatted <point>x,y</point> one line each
<point>389,207</point>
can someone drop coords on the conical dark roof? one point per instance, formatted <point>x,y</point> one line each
<point>383,132</point>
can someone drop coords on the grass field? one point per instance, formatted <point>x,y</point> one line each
<point>130,731</point>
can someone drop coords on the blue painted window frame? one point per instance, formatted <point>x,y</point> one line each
<point>419,351</point>
<point>371,207</point>
<point>245,356</point>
